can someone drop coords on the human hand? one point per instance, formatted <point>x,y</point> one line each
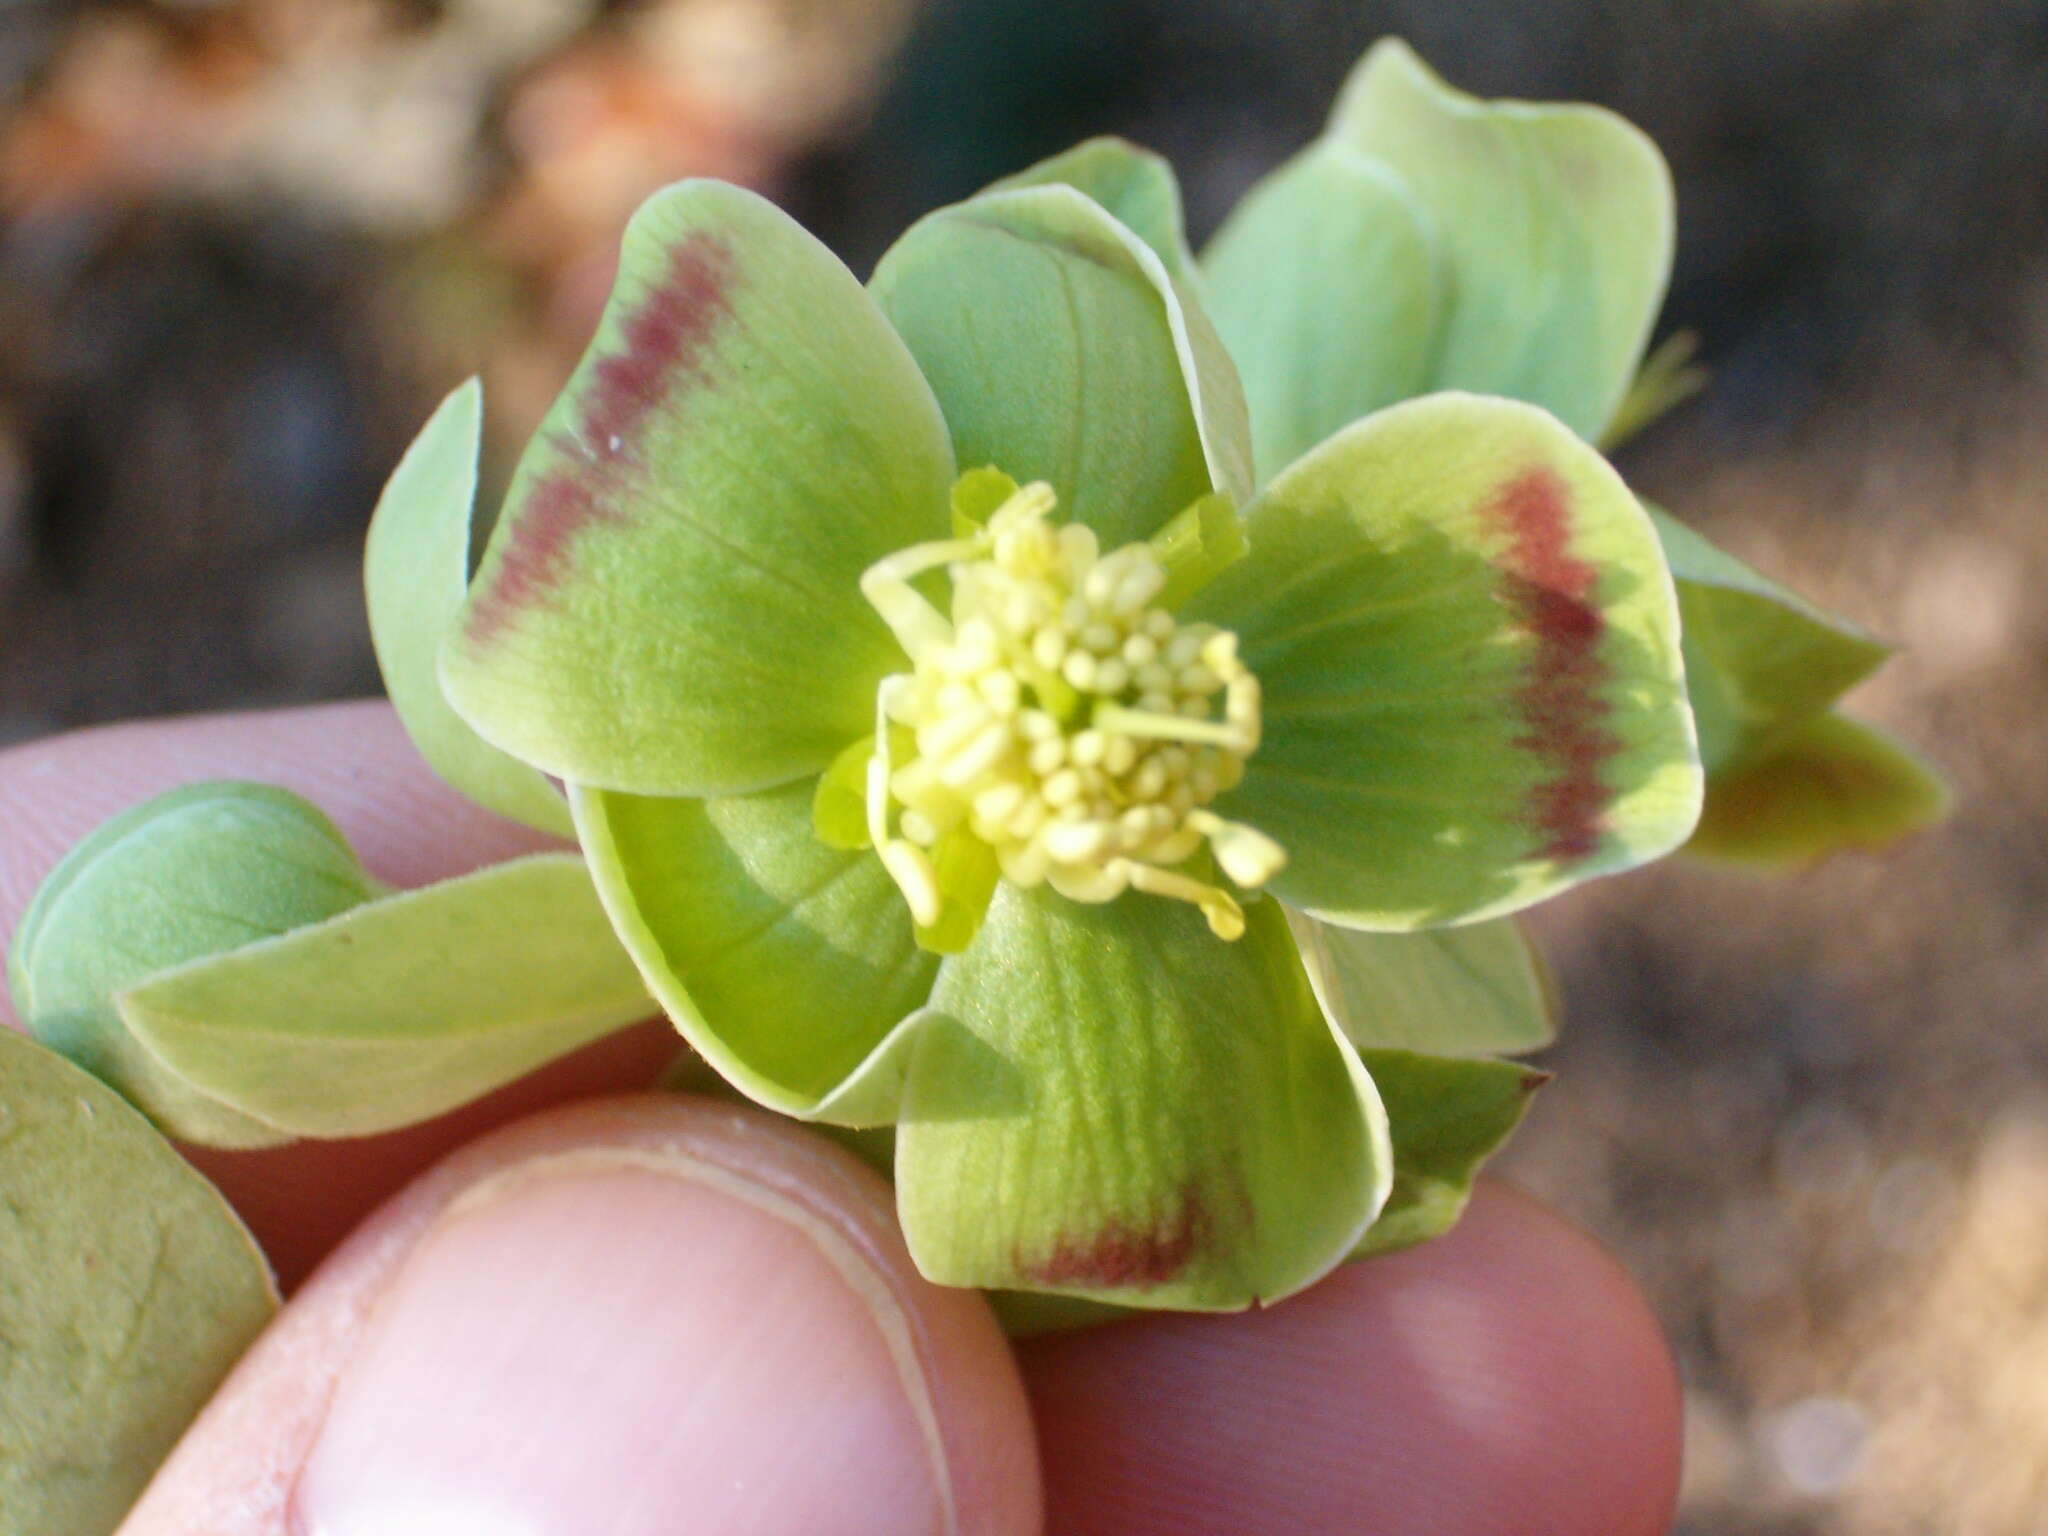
<point>654,1314</point>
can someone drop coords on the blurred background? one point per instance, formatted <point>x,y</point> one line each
<point>246,244</point>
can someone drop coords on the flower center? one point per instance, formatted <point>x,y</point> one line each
<point>1060,718</point>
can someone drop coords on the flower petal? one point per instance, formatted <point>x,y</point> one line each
<point>671,603</point>
<point>787,964</point>
<point>1478,990</point>
<point>415,572</point>
<point>1112,1103</point>
<point>1327,285</point>
<point>1552,229</point>
<point>1468,643</point>
<point>1831,785</point>
<point>1135,185</point>
<point>1448,1117</point>
<point>129,1289</point>
<point>400,1009</point>
<point>1556,225</point>
<point>1759,660</point>
<point>1061,350</point>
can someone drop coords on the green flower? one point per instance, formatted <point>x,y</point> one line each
<point>1428,240</point>
<point>977,803</point>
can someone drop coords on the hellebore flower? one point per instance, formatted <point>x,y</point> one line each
<point>950,753</point>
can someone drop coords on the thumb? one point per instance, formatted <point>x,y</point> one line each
<point>633,1316</point>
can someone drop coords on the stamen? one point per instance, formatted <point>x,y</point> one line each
<point>1062,724</point>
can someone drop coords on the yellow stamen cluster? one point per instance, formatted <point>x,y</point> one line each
<point>1069,724</point>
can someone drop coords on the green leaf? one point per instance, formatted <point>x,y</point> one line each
<point>1108,1102</point>
<point>415,572</point>
<point>671,602</point>
<point>1327,286</point>
<point>1136,186</point>
<point>1468,643</point>
<point>203,869</point>
<point>1448,1117</point>
<point>1555,224</point>
<point>128,1290</point>
<point>1431,241</point>
<point>1830,786</point>
<point>1479,990</point>
<point>1759,660</point>
<point>1062,350</point>
<point>400,1009</point>
<point>786,963</point>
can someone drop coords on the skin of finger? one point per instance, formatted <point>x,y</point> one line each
<point>1507,1377</point>
<point>234,1472</point>
<point>355,763</point>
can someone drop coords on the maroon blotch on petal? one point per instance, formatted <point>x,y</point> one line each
<point>664,355</point>
<point>1122,1256</point>
<point>1561,704</point>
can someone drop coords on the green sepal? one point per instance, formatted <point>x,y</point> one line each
<point>1479,990</point>
<point>1327,286</point>
<point>1430,241</point>
<point>1447,1117</point>
<point>415,574</point>
<point>1105,1101</point>
<point>1061,349</point>
<point>1135,185</point>
<point>1759,660</point>
<point>788,965</point>
<point>1555,224</point>
<point>400,1009</point>
<point>1468,645</point>
<point>671,602</point>
<point>127,1291</point>
<point>202,869</point>
<point>1831,786</point>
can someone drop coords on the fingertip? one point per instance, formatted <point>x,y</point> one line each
<point>629,1316</point>
<point>1507,1377</point>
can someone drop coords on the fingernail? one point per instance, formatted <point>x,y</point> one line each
<point>612,1344</point>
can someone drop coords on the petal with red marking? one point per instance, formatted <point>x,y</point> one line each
<point>1468,642</point>
<point>670,603</point>
<point>1107,1101</point>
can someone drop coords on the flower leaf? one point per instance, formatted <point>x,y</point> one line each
<point>1327,285</point>
<point>1062,350</point>
<point>1133,184</point>
<point>1759,660</point>
<point>1479,990</point>
<point>415,572</point>
<point>1447,1117</point>
<point>1468,643</point>
<point>401,1008</point>
<point>786,963</point>
<point>1831,785</point>
<point>1110,1103</point>
<point>671,602</point>
<point>201,869</point>
<point>128,1290</point>
<point>1551,229</point>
